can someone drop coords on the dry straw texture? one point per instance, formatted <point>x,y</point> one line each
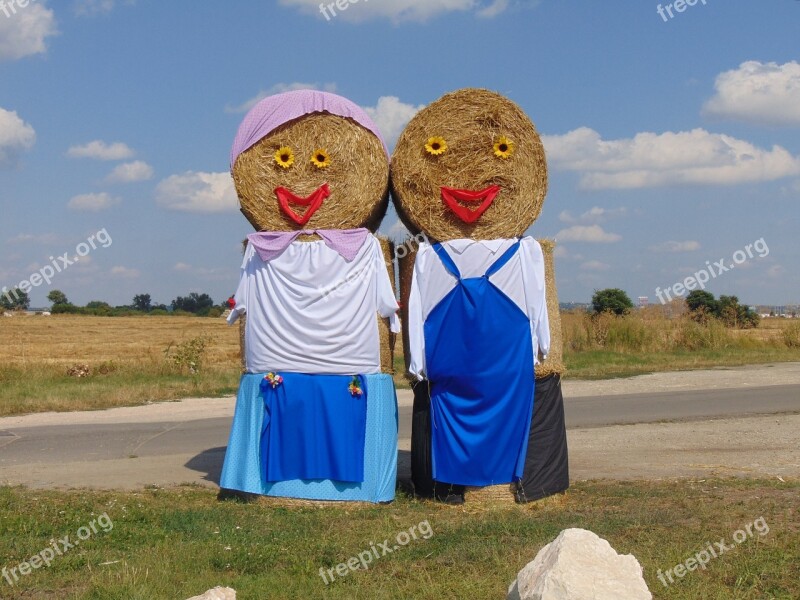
<point>406,269</point>
<point>387,338</point>
<point>471,122</point>
<point>555,359</point>
<point>358,175</point>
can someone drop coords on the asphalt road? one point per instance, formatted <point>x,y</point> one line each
<point>133,454</point>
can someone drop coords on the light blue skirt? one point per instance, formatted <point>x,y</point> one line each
<point>242,469</point>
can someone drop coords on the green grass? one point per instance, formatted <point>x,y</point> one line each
<point>49,388</point>
<point>606,364</point>
<point>177,543</point>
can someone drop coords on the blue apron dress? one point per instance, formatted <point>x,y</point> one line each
<point>314,428</point>
<point>479,361</point>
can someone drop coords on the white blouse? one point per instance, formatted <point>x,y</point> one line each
<point>310,311</point>
<point>521,279</point>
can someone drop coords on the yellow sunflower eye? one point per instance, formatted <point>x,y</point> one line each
<point>284,157</point>
<point>436,146</point>
<point>503,148</point>
<point>321,159</point>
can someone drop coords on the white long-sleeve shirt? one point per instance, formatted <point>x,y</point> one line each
<point>310,311</point>
<point>521,279</point>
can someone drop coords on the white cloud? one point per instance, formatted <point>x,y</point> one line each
<point>25,32</point>
<point>776,271</point>
<point>100,150</point>
<point>16,136</point>
<point>198,192</point>
<point>595,214</point>
<point>395,231</point>
<point>29,238</point>
<point>494,9</point>
<point>595,265</point>
<point>587,233</point>
<point>391,116</point>
<point>90,8</point>
<point>205,273</point>
<point>125,273</point>
<point>674,247</point>
<point>652,160</point>
<point>758,92</point>
<point>398,10</point>
<point>278,88</point>
<point>92,202</point>
<point>131,172</point>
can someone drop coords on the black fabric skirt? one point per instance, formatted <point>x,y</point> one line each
<point>546,464</point>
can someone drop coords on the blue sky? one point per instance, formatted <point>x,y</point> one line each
<point>670,143</point>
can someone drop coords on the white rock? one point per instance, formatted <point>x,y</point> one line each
<point>579,565</point>
<point>218,593</point>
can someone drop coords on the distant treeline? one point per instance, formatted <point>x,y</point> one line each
<point>201,305</point>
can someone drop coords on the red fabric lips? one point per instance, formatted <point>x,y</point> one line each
<point>286,199</point>
<point>483,199</point>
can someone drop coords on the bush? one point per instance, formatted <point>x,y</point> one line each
<point>613,300</point>
<point>699,336</point>
<point>791,336</point>
<point>189,355</point>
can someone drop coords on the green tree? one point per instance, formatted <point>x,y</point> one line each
<point>57,297</point>
<point>613,300</point>
<point>702,305</point>
<point>143,303</point>
<point>199,304</point>
<point>16,299</point>
<point>734,314</point>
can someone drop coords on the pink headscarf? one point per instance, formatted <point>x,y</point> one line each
<point>274,111</point>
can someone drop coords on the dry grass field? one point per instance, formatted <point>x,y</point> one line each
<point>81,363</point>
<point>78,363</point>
<point>65,340</point>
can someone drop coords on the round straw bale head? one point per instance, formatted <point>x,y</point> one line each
<point>302,156</point>
<point>483,146</point>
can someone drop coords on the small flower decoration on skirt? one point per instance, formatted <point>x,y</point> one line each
<point>321,159</point>
<point>436,146</point>
<point>504,148</point>
<point>284,157</point>
<point>355,387</point>
<point>273,379</point>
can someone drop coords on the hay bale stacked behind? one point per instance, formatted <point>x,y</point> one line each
<point>387,338</point>
<point>406,275</point>
<point>242,346</point>
<point>555,359</point>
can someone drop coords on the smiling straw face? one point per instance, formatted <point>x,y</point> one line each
<point>320,171</point>
<point>470,165</point>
